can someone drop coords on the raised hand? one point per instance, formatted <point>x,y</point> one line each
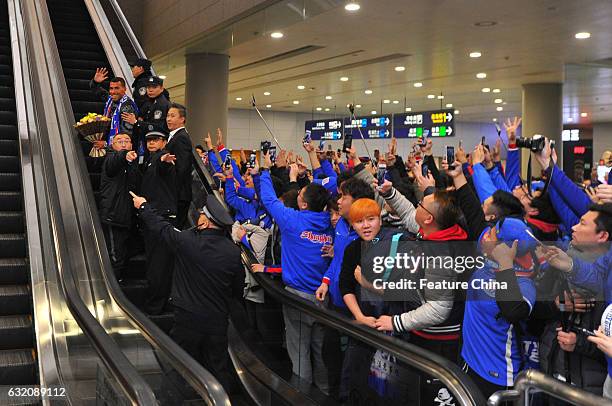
<point>208,141</point>
<point>426,149</point>
<point>242,156</point>
<point>101,75</point>
<point>294,172</point>
<point>131,156</point>
<point>267,162</point>
<point>168,158</point>
<point>478,155</point>
<point>496,153</point>
<point>604,193</point>
<point>511,127</point>
<point>281,159</point>
<point>219,137</point>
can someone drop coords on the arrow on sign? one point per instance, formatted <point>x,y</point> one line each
<point>387,121</point>
<point>449,117</point>
<point>449,130</point>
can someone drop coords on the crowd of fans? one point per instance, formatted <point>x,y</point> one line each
<point>315,220</point>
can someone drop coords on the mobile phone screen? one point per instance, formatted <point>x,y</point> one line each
<point>348,142</point>
<point>425,170</point>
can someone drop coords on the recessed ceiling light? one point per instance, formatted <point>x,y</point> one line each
<point>319,108</point>
<point>162,77</point>
<point>277,34</point>
<point>481,75</point>
<point>485,23</point>
<point>395,101</point>
<point>440,97</point>
<point>269,106</point>
<point>344,79</point>
<point>486,89</point>
<point>456,111</point>
<point>400,68</point>
<point>386,101</point>
<point>267,93</point>
<point>373,112</point>
<point>352,6</point>
<point>367,91</point>
<point>582,35</point>
<point>584,114</point>
<point>570,119</point>
<point>238,98</point>
<point>499,108</point>
<point>496,91</point>
<point>494,120</point>
<point>301,87</point>
<point>417,84</point>
<point>475,54</point>
<point>358,106</point>
<point>497,101</point>
<point>326,108</point>
<point>449,105</point>
<point>328,97</point>
<point>296,102</point>
<point>431,96</point>
<point>408,108</point>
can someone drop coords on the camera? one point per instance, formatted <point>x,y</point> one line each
<point>535,143</point>
<point>265,146</point>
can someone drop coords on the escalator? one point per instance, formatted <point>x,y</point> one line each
<point>18,360</point>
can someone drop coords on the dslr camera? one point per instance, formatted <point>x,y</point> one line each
<point>535,143</point>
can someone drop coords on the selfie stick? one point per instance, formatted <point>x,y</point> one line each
<point>264,120</point>
<point>351,108</point>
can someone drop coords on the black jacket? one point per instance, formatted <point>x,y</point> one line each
<point>118,178</point>
<point>208,273</point>
<point>180,145</point>
<point>153,115</point>
<point>103,95</point>
<point>159,184</point>
<point>139,88</point>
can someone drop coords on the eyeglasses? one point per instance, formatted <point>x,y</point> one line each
<point>122,142</point>
<point>424,208</point>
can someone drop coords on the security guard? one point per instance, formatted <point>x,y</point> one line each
<point>159,188</point>
<point>141,70</point>
<point>209,276</point>
<point>153,112</point>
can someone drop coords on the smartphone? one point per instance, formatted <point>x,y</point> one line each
<point>252,160</point>
<point>321,145</point>
<point>425,170</point>
<point>307,137</point>
<point>329,147</point>
<point>265,146</point>
<point>380,175</point>
<point>450,156</point>
<point>272,151</point>
<point>423,142</point>
<point>482,141</point>
<point>583,331</point>
<point>348,142</point>
<point>228,162</point>
<point>552,144</point>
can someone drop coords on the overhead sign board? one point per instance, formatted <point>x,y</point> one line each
<point>436,123</point>
<point>378,126</point>
<point>325,129</point>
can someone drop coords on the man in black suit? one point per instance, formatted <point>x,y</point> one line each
<point>179,145</point>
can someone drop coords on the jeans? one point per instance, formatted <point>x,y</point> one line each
<point>305,344</point>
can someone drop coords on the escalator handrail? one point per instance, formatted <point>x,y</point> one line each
<point>449,373</point>
<point>45,115</point>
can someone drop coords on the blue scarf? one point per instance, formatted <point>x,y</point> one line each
<point>115,115</point>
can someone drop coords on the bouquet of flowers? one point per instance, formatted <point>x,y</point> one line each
<point>94,127</point>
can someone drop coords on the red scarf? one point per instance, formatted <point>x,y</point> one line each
<point>542,225</point>
<point>449,234</point>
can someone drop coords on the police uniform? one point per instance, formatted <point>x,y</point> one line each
<point>153,112</point>
<point>209,276</point>
<point>139,86</point>
<point>159,188</point>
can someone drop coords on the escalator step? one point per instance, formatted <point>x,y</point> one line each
<point>14,270</point>
<point>82,55</point>
<point>74,32</point>
<point>12,246</point>
<point>83,95</point>
<point>135,290</point>
<point>18,367</point>
<point>10,182</point>
<point>8,132</point>
<point>7,103</point>
<point>61,36</point>
<point>11,201</point>
<point>15,299</point>
<point>6,80</point>
<point>5,60</point>
<point>78,45</point>
<point>5,49</point>
<point>82,84</point>
<point>78,73</point>
<point>11,221</point>
<point>9,147</point>
<point>5,69</point>
<point>9,164</point>
<point>8,117</point>
<point>7,91</point>
<point>68,63</point>
<point>16,332</point>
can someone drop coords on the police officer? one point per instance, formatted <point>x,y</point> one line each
<point>209,276</point>
<point>159,188</point>
<point>141,70</point>
<point>153,112</point>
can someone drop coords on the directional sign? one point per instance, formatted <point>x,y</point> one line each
<point>437,123</point>
<point>325,129</point>
<point>371,126</point>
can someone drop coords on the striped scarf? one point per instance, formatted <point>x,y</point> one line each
<point>115,115</point>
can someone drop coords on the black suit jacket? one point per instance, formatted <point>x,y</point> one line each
<point>180,146</point>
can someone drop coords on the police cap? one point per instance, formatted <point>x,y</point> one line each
<point>156,134</point>
<point>144,63</point>
<point>215,211</point>
<point>155,81</point>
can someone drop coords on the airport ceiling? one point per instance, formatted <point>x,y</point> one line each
<point>388,47</point>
